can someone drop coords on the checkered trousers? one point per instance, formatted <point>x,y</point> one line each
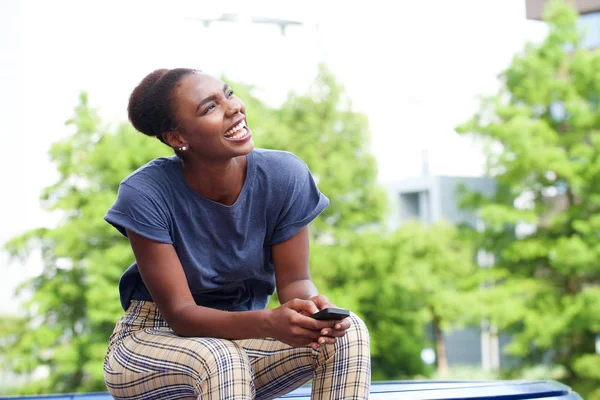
<point>146,360</point>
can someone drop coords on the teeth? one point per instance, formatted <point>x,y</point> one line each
<point>235,128</point>
<point>239,135</point>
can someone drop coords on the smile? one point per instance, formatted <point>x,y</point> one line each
<point>237,131</point>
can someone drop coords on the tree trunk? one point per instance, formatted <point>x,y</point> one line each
<point>440,348</point>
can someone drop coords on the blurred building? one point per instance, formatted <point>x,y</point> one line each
<point>432,198</point>
<point>588,22</point>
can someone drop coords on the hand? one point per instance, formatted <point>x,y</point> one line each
<point>290,324</point>
<point>335,328</point>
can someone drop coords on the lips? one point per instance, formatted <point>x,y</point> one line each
<point>238,133</point>
<point>240,119</point>
<point>236,130</point>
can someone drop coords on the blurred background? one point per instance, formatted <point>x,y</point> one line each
<point>459,142</point>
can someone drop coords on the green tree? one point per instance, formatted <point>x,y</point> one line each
<point>361,274</point>
<point>73,305</point>
<point>436,265</point>
<point>402,282</point>
<point>542,134</point>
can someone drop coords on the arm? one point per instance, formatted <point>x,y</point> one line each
<point>292,271</point>
<point>164,277</point>
<point>292,275</point>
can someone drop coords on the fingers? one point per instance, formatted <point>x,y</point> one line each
<point>322,302</point>
<point>304,309</point>
<point>329,332</point>
<point>307,334</point>
<point>342,324</point>
<point>303,306</point>
<point>318,333</point>
<point>336,328</point>
<point>322,341</point>
<point>309,323</point>
<point>325,340</point>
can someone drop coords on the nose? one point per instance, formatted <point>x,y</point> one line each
<point>234,106</point>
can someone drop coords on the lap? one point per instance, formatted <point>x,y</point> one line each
<point>277,367</point>
<point>160,349</point>
<point>154,361</point>
<point>158,364</point>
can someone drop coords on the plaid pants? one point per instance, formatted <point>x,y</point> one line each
<point>146,360</point>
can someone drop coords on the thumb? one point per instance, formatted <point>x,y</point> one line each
<point>305,307</point>
<point>321,301</point>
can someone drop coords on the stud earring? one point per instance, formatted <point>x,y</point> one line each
<point>183,148</point>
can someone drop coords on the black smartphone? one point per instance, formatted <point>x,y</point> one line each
<point>328,314</point>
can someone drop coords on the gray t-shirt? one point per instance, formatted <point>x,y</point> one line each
<point>225,251</point>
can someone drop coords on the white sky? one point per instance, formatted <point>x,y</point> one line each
<point>416,68</point>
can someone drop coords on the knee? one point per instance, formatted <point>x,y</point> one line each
<point>225,371</point>
<point>356,340</point>
<point>352,348</point>
<point>344,368</point>
<point>219,357</point>
<point>357,335</point>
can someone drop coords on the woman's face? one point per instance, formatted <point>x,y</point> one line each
<point>212,120</point>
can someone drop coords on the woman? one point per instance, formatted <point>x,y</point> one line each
<point>215,230</point>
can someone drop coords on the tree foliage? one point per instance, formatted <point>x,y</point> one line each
<point>73,304</point>
<point>405,281</point>
<point>542,132</point>
<point>437,266</point>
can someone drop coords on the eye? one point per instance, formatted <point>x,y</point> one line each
<point>207,109</point>
<point>230,93</point>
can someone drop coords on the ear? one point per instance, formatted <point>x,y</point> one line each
<point>174,139</point>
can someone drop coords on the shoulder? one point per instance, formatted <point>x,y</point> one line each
<point>281,174</point>
<point>280,164</point>
<point>154,176</point>
<point>143,202</point>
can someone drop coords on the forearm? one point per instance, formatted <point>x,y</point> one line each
<point>192,320</point>
<point>300,289</point>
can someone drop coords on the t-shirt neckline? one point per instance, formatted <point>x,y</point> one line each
<point>246,188</point>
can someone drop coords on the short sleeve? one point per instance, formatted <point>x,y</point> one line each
<point>141,213</point>
<point>303,203</point>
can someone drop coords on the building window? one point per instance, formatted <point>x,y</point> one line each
<point>409,206</point>
<point>415,206</point>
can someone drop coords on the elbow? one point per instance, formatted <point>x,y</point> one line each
<point>179,322</point>
<point>180,329</point>
<point>301,288</point>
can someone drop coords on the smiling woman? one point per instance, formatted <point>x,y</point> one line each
<point>215,230</point>
<point>154,112</point>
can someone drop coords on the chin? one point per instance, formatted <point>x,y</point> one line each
<point>240,146</point>
<point>244,148</point>
<point>249,147</point>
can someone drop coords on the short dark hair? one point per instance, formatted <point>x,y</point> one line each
<point>151,109</point>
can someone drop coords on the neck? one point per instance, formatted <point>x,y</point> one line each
<point>220,181</point>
